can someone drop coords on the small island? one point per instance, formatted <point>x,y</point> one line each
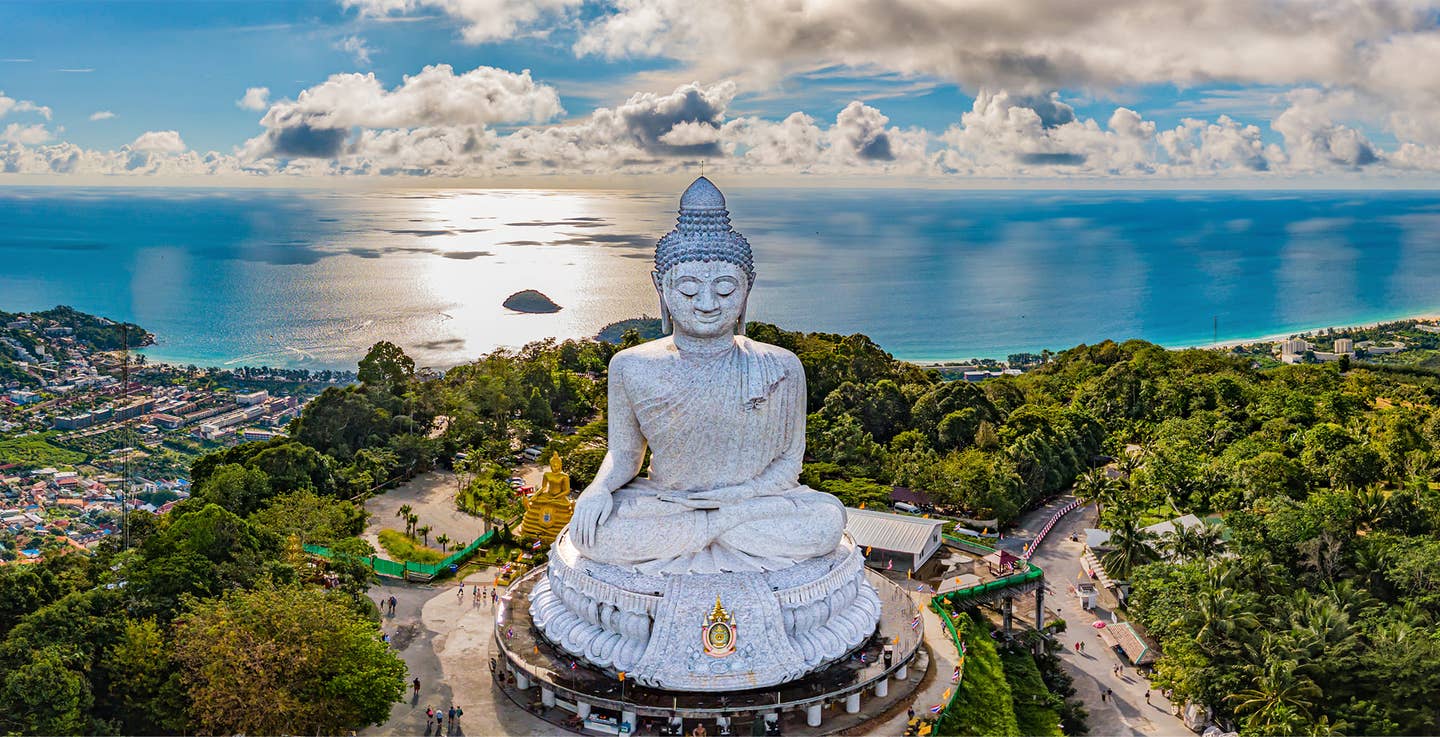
<point>530,301</point>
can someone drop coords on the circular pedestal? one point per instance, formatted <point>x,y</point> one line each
<point>578,687</point>
<point>707,632</point>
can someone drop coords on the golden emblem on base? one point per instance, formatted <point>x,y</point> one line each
<point>719,631</point>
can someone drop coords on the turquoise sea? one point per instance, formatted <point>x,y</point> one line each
<point>307,279</point>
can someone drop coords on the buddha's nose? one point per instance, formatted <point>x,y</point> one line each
<point>706,301</point>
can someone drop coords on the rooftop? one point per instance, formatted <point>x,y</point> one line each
<point>887,531</point>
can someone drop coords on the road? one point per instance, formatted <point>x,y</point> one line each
<point>1127,713</point>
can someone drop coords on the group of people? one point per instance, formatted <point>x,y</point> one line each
<point>446,722</point>
<point>477,597</point>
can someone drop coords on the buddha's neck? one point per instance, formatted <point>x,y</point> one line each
<point>698,347</point>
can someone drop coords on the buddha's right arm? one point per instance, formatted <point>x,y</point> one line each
<point>626,451</point>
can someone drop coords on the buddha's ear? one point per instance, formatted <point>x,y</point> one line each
<point>656,277</point>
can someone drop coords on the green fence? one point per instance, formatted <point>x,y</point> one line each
<point>420,570</point>
<point>938,607</point>
<point>1027,574</point>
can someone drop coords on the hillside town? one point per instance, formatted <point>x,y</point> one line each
<point>77,441</point>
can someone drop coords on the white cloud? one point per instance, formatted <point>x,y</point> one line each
<point>319,121</point>
<point>102,115</point>
<point>1313,140</point>
<point>1219,146</point>
<point>164,142</point>
<point>483,20</point>
<point>25,135</point>
<point>11,105</point>
<point>255,98</point>
<point>1018,44</point>
<point>356,48</point>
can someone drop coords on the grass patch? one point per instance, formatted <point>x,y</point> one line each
<point>983,703</point>
<point>36,451</point>
<point>401,549</point>
<point>1036,709</point>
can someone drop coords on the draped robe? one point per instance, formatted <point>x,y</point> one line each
<point>732,423</point>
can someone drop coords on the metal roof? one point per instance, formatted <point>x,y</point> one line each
<point>887,531</point>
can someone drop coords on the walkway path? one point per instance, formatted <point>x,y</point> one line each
<point>1127,713</point>
<point>432,496</point>
<point>445,642</point>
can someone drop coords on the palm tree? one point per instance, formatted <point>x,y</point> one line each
<point>443,540</point>
<point>411,520</point>
<point>424,533</point>
<point>1219,614</point>
<point>1279,701</point>
<point>1132,546</point>
<point>1195,543</point>
<point>404,513</point>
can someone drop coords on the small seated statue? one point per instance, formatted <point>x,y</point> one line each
<point>723,417</point>
<point>549,508</point>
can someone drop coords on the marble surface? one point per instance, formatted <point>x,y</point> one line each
<point>722,512</point>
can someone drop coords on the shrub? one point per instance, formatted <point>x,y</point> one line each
<point>402,548</point>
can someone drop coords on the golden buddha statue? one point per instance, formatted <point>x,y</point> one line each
<point>549,509</point>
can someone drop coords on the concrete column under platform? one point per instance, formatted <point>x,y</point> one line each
<point>547,697</point>
<point>852,703</point>
<point>903,672</point>
<point>582,709</point>
<point>1040,607</point>
<point>522,680</point>
<point>627,716</point>
<point>882,687</point>
<point>812,714</point>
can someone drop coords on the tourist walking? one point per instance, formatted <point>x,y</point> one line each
<point>392,605</point>
<point>429,718</point>
<point>416,685</point>
<point>1147,695</point>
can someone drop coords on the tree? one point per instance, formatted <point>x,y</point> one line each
<point>1133,546</point>
<point>411,520</point>
<point>351,562</point>
<point>318,520</point>
<point>443,540</point>
<point>387,366</point>
<point>537,410</point>
<point>1279,700</point>
<point>47,695</point>
<point>285,661</point>
<point>404,513</point>
<point>146,687</point>
<point>238,488</point>
<point>424,533</point>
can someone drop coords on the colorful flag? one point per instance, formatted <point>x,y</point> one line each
<point>868,548</point>
<point>536,545</point>
<point>936,709</point>
<point>907,573</point>
<point>915,623</point>
<point>955,675</point>
<point>862,505</point>
<point>945,696</point>
<point>620,675</point>
<point>889,565</point>
<point>573,665</point>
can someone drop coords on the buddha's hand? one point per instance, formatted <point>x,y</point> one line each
<point>591,510</point>
<point>710,498</point>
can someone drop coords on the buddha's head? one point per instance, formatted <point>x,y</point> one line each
<point>555,462</point>
<point>703,268</point>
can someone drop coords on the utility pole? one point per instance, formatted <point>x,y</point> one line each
<point>125,462</point>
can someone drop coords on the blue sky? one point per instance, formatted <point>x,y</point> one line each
<point>978,90</point>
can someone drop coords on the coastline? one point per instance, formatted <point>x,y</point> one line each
<point>1216,345</point>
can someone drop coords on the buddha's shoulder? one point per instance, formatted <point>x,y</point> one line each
<point>646,353</point>
<point>789,360</point>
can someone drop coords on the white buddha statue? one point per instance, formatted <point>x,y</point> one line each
<point>720,534</point>
<point>723,417</point>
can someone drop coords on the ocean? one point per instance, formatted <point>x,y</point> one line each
<point>312,279</point>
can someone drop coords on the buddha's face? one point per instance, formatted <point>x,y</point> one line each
<point>705,298</point>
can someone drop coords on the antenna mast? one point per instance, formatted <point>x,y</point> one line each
<point>125,461</point>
